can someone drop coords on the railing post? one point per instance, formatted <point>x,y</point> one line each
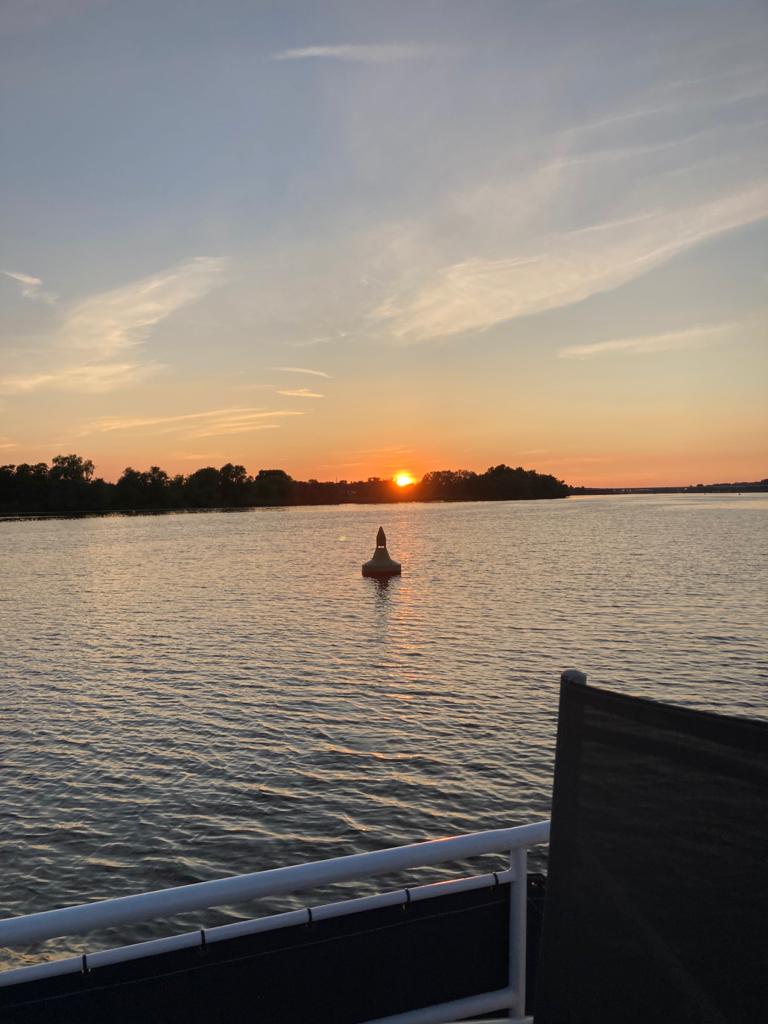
<point>572,675</point>
<point>518,898</point>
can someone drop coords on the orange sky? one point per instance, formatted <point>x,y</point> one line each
<point>441,239</point>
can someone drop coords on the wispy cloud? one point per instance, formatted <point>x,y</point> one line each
<point>690,338</point>
<point>97,329</point>
<point>361,53</point>
<point>231,427</point>
<point>210,423</point>
<point>675,108</point>
<point>31,287</point>
<point>189,456</point>
<point>6,443</point>
<point>93,378</point>
<point>112,321</point>
<point>323,339</point>
<point>479,293</point>
<point>302,369</point>
<point>301,393</point>
<point>391,449</point>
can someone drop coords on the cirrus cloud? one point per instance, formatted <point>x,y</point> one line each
<point>194,425</point>
<point>301,393</point>
<point>302,369</point>
<point>668,341</point>
<point>91,378</point>
<point>93,332</point>
<point>123,317</point>
<point>31,287</point>
<point>359,53</point>
<point>478,293</point>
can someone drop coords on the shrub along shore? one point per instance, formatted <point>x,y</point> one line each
<point>68,485</point>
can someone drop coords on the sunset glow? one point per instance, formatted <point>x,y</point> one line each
<point>565,274</point>
<point>404,479</point>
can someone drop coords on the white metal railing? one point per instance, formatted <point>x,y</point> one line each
<point>20,931</point>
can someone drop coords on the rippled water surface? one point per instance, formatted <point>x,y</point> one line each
<point>189,696</point>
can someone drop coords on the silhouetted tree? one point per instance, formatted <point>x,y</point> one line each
<point>448,485</point>
<point>8,486</point>
<point>68,485</point>
<point>236,485</point>
<point>68,480</point>
<point>129,490</point>
<point>30,489</point>
<point>176,491</point>
<point>272,487</point>
<point>203,489</point>
<point>156,482</point>
<point>137,490</point>
<point>99,495</point>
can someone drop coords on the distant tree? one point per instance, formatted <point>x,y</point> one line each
<point>203,489</point>
<point>30,488</point>
<point>156,482</point>
<point>176,491</point>
<point>71,467</point>
<point>129,489</point>
<point>69,485</point>
<point>100,494</point>
<point>447,485</point>
<point>68,479</point>
<point>502,483</point>
<point>236,485</point>
<point>142,490</point>
<point>272,487</point>
<point>8,488</point>
<point>375,489</point>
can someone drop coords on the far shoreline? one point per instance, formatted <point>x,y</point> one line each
<point>716,489</point>
<point>69,487</point>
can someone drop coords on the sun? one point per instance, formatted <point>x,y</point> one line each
<point>404,479</point>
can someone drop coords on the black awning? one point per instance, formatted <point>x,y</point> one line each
<point>657,893</point>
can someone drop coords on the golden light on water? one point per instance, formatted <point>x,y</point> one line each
<point>404,479</point>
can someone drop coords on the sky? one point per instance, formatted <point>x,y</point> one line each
<point>346,239</point>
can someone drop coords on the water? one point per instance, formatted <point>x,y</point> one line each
<point>190,696</point>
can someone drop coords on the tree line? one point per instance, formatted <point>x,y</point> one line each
<point>68,485</point>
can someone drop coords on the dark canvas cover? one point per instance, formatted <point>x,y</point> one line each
<point>657,892</point>
<point>335,971</point>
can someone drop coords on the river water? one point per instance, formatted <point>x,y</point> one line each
<point>187,696</point>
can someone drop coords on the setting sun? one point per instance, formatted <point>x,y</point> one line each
<point>404,479</point>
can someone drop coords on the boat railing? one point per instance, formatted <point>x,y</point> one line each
<point>33,928</point>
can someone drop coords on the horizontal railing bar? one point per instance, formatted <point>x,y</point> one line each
<point>49,969</point>
<point>238,929</point>
<point>458,1009</point>
<point>49,924</point>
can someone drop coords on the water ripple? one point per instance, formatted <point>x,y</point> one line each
<point>187,697</point>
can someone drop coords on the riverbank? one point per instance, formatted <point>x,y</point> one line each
<point>68,485</point>
<point>752,487</point>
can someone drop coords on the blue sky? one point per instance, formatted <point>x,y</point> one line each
<point>351,238</point>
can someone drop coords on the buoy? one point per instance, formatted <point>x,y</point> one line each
<point>381,564</point>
